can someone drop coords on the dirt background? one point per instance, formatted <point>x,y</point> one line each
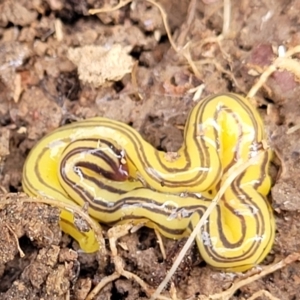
<point>54,69</point>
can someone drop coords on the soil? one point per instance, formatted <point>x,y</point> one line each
<point>55,69</point>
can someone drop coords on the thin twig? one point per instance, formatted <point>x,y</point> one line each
<point>160,243</point>
<point>263,293</point>
<point>265,271</point>
<point>122,3</point>
<point>166,24</point>
<point>280,63</point>
<point>114,234</point>
<point>22,254</point>
<point>226,17</point>
<point>185,28</point>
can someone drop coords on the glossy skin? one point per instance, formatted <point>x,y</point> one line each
<point>124,179</point>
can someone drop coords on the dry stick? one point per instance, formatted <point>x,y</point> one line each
<point>218,39</point>
<point>59,30</point>
<point>114,234</point>
<point>263,293</point>
<point>292,51</point>
<point>106,280</point>
<point>173,292</point>
<point>234,172</point>
<point>109,9</point>
<point>134,81</point>
<point>225,28</point>
<point>226,17</point>
<point>166,24</point>
<point>265,271</point>
<point>185,28</point>
<point>2,188</point>
<point>125,2</point>
<point>293,129</point>
<point>160,243</point>
<point>187,55</point>
<point>218,66</point>
<point>22,254</point>
<point>182,37</point>
<point>280,62</point>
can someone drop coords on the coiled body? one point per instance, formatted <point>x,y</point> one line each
<point>108,165</point>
